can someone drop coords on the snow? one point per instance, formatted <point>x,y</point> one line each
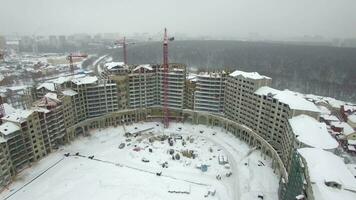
<point>145,66</point>
<point>352,118</point>
<point>312,133</point>
<point>352,168</point>
<point>48,86</point>
<point>192,77</point>
<point>293,99</point>
<point>324,110</point>
<point>18,116</point>
<point>8,128</point>
<point>251,75</point>
<point>349,108</point>
<point>99,60</point>
<point>8,108</point>
<point>116,173</point>
<point>210,74</point>
<point>85,80</point>
<point>347,129</point>
<point>330,118</point>
<point>325,166</point>
<point>40,109</point>
<point>52,96</point>
<point>111,65</point>
<point>63,79</point>
<point>69,92</point>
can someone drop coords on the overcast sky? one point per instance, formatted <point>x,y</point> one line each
<point>230,18</point>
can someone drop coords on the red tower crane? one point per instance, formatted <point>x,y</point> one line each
<point>2,109</point>
<point>124,45</point>
<point>70,59</point>
<point>165,80</point>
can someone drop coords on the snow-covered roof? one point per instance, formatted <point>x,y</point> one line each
<point>250,75</point>
<point>210,74</point>
<point>8,128</point>
<point>293,99</point>
<point>350,108</point>
<point>331,118</point>
<point>18,116</point>
<point>352,118</point>
<point>145,66</point>
<point>326,166</point>
<point>52,96</point>
<point>40,109</point>
<point>352,168</point>
<point>85,80</point>
<point>63,79</point>
<point>69,92</point>
<point>111,65</point>
<point>324,110</point>
<point>347,129</point>
<point>191,77</point>
<point>8,108</point>
<point>47,86</point>
<point>312,133</point>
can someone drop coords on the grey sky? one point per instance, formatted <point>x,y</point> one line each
<point>274,18</point>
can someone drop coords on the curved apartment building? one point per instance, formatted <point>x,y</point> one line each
<point>240,102</point>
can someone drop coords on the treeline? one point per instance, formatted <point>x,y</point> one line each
<point>322,70</point>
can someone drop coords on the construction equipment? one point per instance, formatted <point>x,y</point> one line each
<point>165,80</point>
<point>2,109</point>
<point>123,43</point>
<point>70,59</point>
<point>2,55</point>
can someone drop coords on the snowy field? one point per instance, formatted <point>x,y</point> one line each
<point>121,174</point>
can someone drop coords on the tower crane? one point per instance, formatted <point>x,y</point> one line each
<point>165,78</point>
<point>123,43</point>
<point>2,109</point>
<point>70,59</point>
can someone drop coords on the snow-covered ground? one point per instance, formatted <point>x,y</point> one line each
<point>116,173</point>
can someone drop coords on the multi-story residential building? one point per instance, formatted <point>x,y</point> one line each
<point>50,112</point>
<point>242,97</point>
<point>5,162</point>
<point>189,93</point>
<point>209,92</point>
<point>15,155</point>
<point>251,102</point>
<point>176,81</point>
<point>142,87</point>
<point>30,127</point>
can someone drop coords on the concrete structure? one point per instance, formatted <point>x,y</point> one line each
<point>209,92</point>
<point>241,103</point>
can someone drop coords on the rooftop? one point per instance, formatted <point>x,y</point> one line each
<point>347,129</point>
<point>85,80</point>
<point>293,99</point>
<point>18,116</point>
<point>250,75</point>
<point>111,65</point>
<point>69,92</point>
<point>48,86</point>
<point>312,133</point>
<point>326,166</point>
<point>352,118</point>
<point>8,128</point>
<point>145,66</point>
<point>331,118</point>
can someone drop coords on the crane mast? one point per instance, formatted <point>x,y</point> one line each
<point>165,80</point>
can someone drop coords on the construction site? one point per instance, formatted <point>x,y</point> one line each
<point>158,131</point>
